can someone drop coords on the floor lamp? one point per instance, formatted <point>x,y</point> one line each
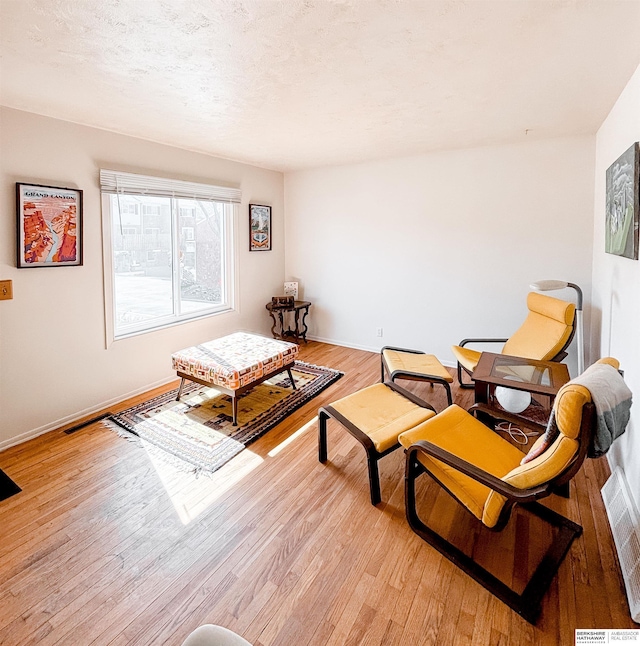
<point>550,285</point>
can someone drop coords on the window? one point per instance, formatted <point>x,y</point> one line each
<point>177,263</point>
<point>150,209</point>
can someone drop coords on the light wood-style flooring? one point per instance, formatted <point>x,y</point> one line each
<point>106,544</point>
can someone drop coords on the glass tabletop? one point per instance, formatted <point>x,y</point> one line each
<point>521,373</point>
<point>506,368</point>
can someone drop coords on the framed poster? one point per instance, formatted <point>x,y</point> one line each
<point>49,226</point>
<point>259,227</point>
<point>623,209</point>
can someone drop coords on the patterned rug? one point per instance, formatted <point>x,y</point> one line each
<point>198,429</point>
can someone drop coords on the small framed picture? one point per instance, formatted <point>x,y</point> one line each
<point>291,289</point>
<point>259,227</point>
<point>49,226</point>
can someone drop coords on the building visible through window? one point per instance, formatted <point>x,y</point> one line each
<point>171,259</point>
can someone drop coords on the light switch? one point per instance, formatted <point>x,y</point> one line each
<point>6,290</point>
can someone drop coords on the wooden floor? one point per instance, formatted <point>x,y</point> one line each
<point>106,544</point>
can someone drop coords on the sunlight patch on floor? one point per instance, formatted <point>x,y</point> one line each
<point>191,495</point>
<point>292,437</point>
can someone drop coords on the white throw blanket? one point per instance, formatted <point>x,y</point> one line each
<point>612,400</point>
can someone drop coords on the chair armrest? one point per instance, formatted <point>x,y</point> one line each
<point>482,340</point>
<point>390,347</point>
<point>498,485</point>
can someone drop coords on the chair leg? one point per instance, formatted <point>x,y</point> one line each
<point>322,436</point>
<point>563,490</point>
<point>374,478</point>
<point>462,383</point>
<point>527,604</point>
<point>234,405</point>
<point>372,455</point>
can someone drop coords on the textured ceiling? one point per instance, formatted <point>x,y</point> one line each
<point>289,84</point>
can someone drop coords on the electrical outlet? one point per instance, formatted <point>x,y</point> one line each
<point>6,290</point>
<point>379,331</point>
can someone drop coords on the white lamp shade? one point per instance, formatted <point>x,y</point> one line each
<point>549,285</point>
<point>514,401</point>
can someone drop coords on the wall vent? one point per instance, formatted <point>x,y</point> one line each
<point>625,528</point>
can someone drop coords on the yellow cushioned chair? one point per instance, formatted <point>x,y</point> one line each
<point>415,365</point>
<point>545,335</point>
<point>375,416</point>
<point>484,473</point>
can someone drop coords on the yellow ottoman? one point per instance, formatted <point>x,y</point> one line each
<point>402,363</point>
<point>375,416</point>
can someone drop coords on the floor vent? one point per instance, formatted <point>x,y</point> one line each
<point>625,528</point>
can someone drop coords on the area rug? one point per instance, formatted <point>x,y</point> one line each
<point>198,430</point>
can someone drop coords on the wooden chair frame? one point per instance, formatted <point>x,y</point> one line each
<point>407,374</point>
<point>373,456</point>
<point>526,604</point>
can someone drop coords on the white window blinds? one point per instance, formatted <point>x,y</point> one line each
<point>112,181</point>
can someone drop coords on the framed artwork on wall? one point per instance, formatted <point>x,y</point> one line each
<point>49,226</point>
<point>259,227</point>
<point>291,289</point>
<point>623,208</point>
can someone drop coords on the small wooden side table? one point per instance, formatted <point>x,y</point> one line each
<point>541,378</point>
<point>280,328</point>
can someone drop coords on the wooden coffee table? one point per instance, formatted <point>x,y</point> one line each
<point>234,364</point>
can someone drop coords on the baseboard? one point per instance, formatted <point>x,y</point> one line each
<point>321,339</point>
<point>376,350</point>
<point>70,419</point>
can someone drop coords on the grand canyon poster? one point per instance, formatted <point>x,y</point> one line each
<point>49,226</point>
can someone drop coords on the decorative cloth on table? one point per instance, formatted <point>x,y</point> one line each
<point>235,360</point>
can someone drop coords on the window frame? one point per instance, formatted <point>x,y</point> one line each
<point>229,254</point>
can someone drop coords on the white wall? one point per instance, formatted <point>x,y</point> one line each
<point>53,361</point>
<point>438,247</point>
<point>616,280</point>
